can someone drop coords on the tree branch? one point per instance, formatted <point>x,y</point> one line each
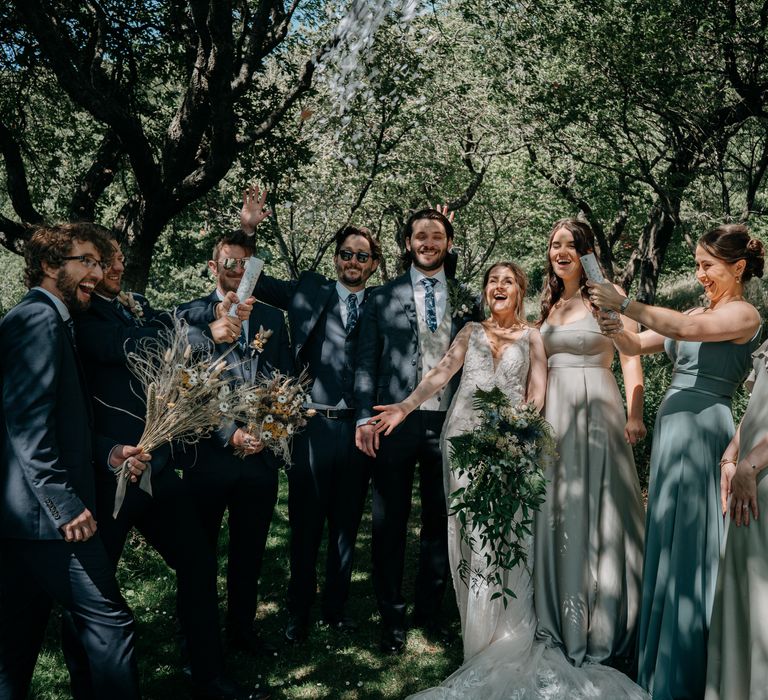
<point>98,177</point>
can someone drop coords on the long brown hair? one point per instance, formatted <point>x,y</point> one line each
<point>520,279</point>
<point>584,241</point>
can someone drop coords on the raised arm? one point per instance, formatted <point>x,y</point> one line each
<point>392,415</point>
<point>253,211</point>
<point>736,321</point>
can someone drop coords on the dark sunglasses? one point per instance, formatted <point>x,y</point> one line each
<point>348,255</point>
<point>232,263</point>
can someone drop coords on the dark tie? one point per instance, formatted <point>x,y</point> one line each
<point>242,341</point>
<point>71,328</point>
<point>430,312</point>
<point>352,312</point>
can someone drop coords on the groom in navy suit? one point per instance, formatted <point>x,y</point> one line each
<point>220,480</point>
<point>407,327</point>
<point>329,478</point>
<point>49,547</point>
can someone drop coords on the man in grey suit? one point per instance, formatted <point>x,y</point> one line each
<point>329,478</point>
<point>407,327</point>
<point>49,547</point>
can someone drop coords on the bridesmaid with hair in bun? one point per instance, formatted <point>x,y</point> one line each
<point>711,349</point>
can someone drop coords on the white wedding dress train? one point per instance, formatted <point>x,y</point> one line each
<point>502,659</point>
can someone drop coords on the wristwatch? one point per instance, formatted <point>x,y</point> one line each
<point>624,304</point>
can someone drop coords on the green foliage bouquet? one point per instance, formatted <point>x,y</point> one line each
<point>504,458</point>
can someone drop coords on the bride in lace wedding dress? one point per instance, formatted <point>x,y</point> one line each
<point>502,659</point>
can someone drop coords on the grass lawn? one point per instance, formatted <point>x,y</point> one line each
<point>327,665</point>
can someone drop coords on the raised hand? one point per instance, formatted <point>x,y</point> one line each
<point>253,211</point>
<point>604,296</point>
<point>610,322</point>
<point>390,416</point>
<point>225,329</point>
<point>243,308</point>
<point>443,209</point>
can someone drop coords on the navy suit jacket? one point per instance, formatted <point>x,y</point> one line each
<point>215,451</point>
<point>388,349</point>
<point>304,299</point>
<point>104,337</point>
<point>46,472</point>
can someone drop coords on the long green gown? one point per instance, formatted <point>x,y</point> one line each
<point>684,524</point>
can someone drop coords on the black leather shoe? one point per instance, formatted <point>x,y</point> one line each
<point>392,640</point>
<point>341,624</point>
<point>250,643</point>
<point>296,630</point>
<point>221,688</point>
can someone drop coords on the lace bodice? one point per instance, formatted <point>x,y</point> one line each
<point>482,371</point>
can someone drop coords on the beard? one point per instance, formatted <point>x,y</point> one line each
<point>428,267</point>
<point>67,286</point>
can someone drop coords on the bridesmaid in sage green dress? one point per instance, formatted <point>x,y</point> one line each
<point>710,349</point>
<point>738,636</point>
<point>589,531</point>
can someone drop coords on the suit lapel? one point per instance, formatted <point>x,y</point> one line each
<point>403,291</point>
<point>317,306</point>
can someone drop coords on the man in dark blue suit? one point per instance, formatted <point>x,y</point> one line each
<point>329,477</point>
<point>48,543</point>
<point>220,480</point>
<point>114,325</point>
<point>407,327</point>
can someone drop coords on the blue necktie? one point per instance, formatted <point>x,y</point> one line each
<point>242,341</point>
<point>430,312</point>
<point>352,312</point>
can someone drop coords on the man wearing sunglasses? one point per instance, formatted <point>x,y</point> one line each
<point>114,325</point>
<point>222,481</point>
<point>329,477</point>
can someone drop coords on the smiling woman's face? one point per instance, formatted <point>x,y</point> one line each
<point>719,278</point>
<point>563,255</point>
<point>501,291</point>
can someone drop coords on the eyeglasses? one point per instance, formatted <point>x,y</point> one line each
<point>88,261</point>
<point>348,255</point>
<point>232,263</point>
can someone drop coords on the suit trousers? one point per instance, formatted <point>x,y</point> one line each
<point>328,480</point>
<point>80,577</point>
<point>416,440</point>
<point>169,522</point>
<point>248,490</point>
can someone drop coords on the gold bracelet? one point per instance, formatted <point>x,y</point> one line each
<point>725,460</point>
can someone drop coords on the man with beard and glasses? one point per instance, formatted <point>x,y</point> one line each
<point>115,325</point>
<point>407,327</point>
<point>221,480</point>
<point>49,548</point>
<point>329,478</point>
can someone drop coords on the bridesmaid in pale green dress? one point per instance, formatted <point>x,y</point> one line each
<point>738,636</point>
<point>710,348</point>
<point>589,531</point>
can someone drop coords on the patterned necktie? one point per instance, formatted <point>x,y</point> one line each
<point>430,312</point>
<point>352,312</point>
<point>242,341</point>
